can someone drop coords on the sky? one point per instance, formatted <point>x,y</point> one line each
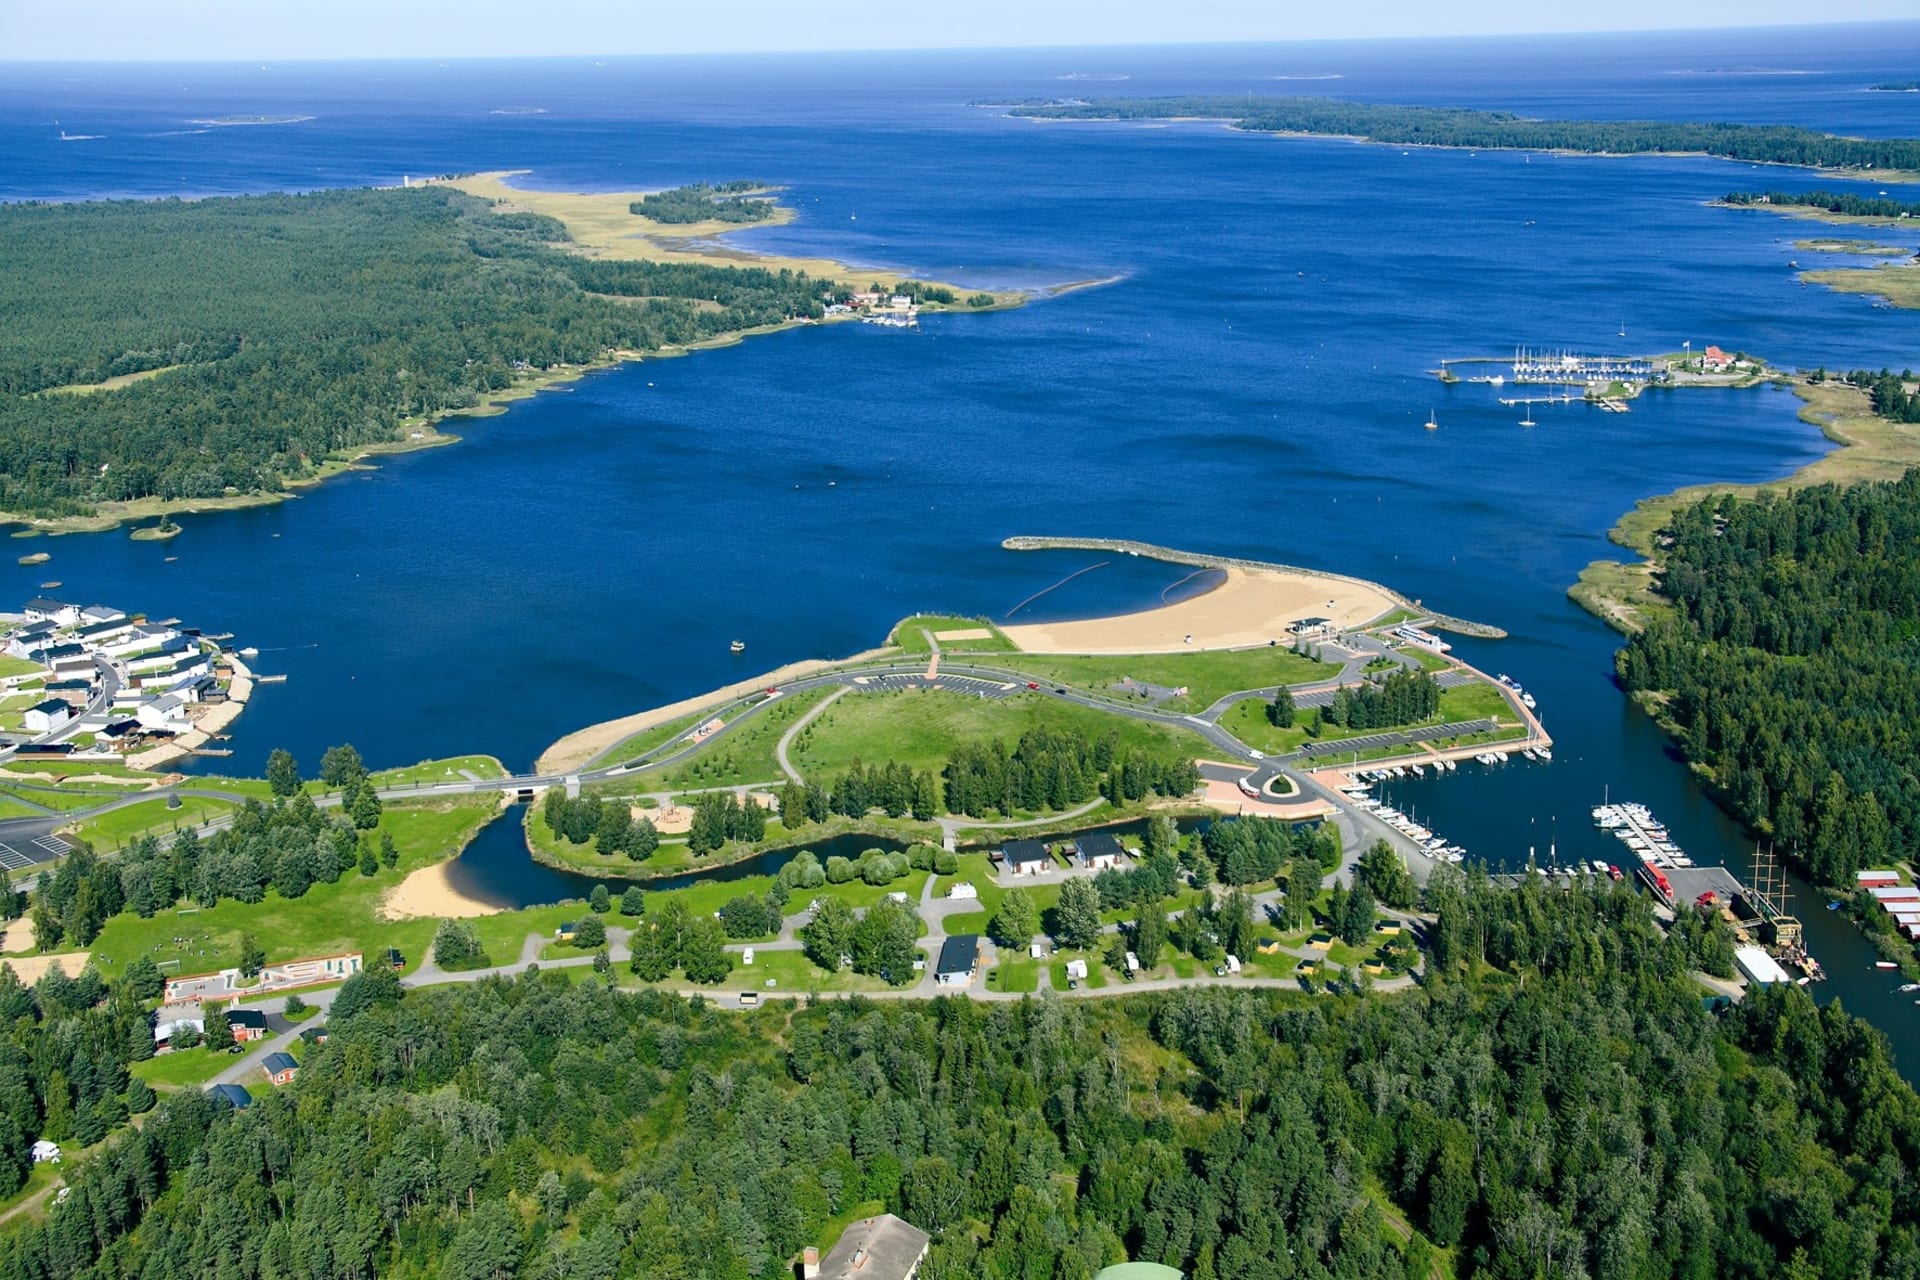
<point>170,30</point>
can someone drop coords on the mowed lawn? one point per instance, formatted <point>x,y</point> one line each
<point>1207,676</point>
<point>740,754</point>
<point>1247,720</point>
<point>921,727</point>
<point>327,919</point>
<point>121,827</point>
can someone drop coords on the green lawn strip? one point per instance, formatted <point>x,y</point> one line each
<point>1207,676</point>
<point>791,972</point>
<point>11,808</point>
<point>1248,722</point>
<point>450,770</point>
<point>647,739</point>
<point>186,1068</point>
<point>1427,658</point>
<point>48,770</point>
<point>910,634</point>
<point>741,755</point>
<point>326,920</point>
<point>1014,971</point>
<point>921,728</point>
<point>121,827</point>
<point>1097,972</point>
<point>10,666</point>
<point>63,799</point>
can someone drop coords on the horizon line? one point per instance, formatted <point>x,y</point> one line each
<point>1428,38</point>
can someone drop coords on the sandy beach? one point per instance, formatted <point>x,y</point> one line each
<point>1249,607</point>
<point>582,745</point>
<point>429,893</point>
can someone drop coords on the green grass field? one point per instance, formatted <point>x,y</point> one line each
<point>1247,720</point>
<point>452,770</point>
<point>10,666</point>
<point>909,634</point>
<point>122,826</point>
<point>920,729</point>
<point>186,1068</point>
<point>329,918</point>
<point>741,754</point>
<point>647,739</point>
<point>1207,676</point>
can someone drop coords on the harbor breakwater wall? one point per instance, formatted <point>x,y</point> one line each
<point>1459,626</point>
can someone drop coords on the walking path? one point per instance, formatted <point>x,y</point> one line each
<point>786,739</point>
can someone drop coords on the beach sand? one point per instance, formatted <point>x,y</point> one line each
<point>30,969</point>
<point>18,937</point>
<point>1249,607</point>
<point>429,893</point>
<point>582,745</point>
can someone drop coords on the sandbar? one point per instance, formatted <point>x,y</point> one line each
<point>429,893</point>
<point>1249,607</point>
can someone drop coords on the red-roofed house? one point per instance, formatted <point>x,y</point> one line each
<point>1716,360</point>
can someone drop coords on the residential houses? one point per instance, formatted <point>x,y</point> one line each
<point>280,1068</point>
<point>1026,857</point>
<point>959,955</point>
<point>1099,850</point>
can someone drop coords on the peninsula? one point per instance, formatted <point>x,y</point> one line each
<point>1488,130</point>
<point>284,337</point>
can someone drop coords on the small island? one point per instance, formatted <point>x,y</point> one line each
<point>701,202</point>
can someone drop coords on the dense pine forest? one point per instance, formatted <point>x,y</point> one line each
<point>1790,665</point>
<point>1557,1102</point>
<point>292,327</point>
<point>702,202</point>
<point>1456,127</point>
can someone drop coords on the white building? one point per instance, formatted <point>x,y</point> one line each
<point>45,1152</point>
<point>164,715</point>
<point>47,716</point>
<point>964,889</point>
<point>1758,966</point>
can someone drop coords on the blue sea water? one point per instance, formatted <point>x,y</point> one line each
<point>1252,382</point>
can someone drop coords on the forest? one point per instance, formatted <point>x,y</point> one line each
<point>1841,202</point>
<point>1556,1102</point>
<point>1789,666</point>
<point>285,329</point>
<point>1457,127</point>
<point>1887,392</point>
<point>703,202</point>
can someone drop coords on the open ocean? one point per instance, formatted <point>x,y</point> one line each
<point>1253,384</point>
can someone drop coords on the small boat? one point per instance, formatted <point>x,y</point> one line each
<point>1909,986</point>
<point>1885,964</point>
<point>248,652</point>
<point>1526,700</point>
<point>738,646</point>
<point>1546,754</point>
<point>1433,423</point>
<point>1833,906</point>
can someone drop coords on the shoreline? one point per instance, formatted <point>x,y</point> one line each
<point>695,242</point>
<point>1870,448</point>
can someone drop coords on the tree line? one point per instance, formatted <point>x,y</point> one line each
<point>704,202</point>
<point>1841,202</point>
<point>1554,1102</point>
<point>1057,769</point>
<point>1788,666</point>
<point>1459,127</point>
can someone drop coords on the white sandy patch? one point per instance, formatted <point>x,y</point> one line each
<point>30,969</point>
<point>18,936</point>
<point>1250,607</point>
<point>583,745</point>
<point>969,633</point>
<point>429,893</point>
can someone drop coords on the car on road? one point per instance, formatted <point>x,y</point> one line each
<point>1257,755</point>
<point>1033,684</point>
<point>1061,691</point>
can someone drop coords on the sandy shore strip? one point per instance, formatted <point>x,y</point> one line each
<point>429,894</point>
<point>1249,607</point>
<point>582,745</point>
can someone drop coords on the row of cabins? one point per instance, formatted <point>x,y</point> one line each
<point>1901,901</point>
<point>1094,851</point>
<point>166,669</point>
<point>286,975</point>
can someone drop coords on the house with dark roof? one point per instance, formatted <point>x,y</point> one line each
<point>1026,857</point>
<point>236,1094</point>
<point>1098,850</point>
<point>44,717</point>
<point>878,1248</point>
<point>280,1067</point>
<point>959,955</point>
<point>247,1025</point>
<point>58,612</point>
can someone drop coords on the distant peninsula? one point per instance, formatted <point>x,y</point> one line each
<point>1895,86</point>
<point>282,337</point>
<point>1487,130</point>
